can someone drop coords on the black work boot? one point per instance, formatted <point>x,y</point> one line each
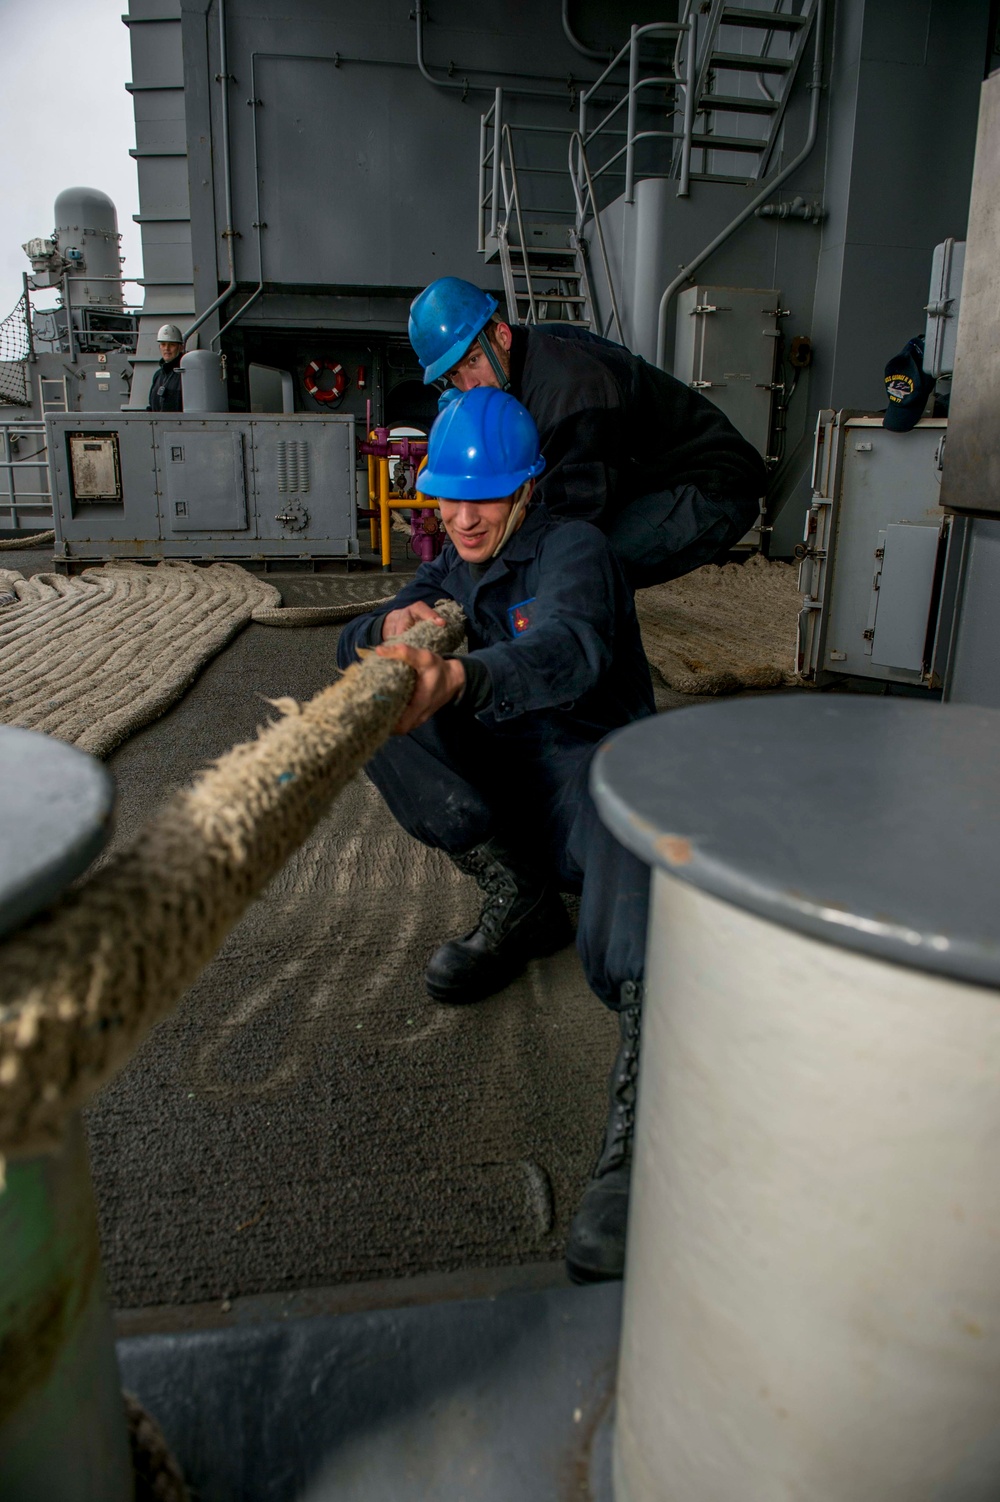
<point>595,1249</point>
<point>521,919</point>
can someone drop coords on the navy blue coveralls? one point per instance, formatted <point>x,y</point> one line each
<point>552,623</point>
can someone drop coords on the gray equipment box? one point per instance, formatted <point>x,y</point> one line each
<point>244,486</point>
<point>873,558</point>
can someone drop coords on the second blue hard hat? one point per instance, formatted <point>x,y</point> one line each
<point>483,447</point>
<point>444,319</point>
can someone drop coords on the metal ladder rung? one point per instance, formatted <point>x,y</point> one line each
<point>765,20</point>
<point>544,251</point>
<point>720,177</point>
<point>733,104</point>
<point>548,296</point>
<point>727,143</point>
<point>748,62</point>
<point>546,273</point>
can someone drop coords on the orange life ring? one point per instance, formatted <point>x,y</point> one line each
<point>332,393</point>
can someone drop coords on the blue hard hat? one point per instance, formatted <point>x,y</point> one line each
<point>449,394</point>
<point>444,319</point>
<point>482,448</point>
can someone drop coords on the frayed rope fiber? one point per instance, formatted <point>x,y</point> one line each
<point>81,986</point>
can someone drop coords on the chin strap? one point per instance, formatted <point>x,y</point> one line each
<point>516,512</point>
<point>503,379</point>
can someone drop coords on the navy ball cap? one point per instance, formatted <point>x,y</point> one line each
<point>907,387</point>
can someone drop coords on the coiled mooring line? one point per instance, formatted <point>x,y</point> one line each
<point>82,985</point>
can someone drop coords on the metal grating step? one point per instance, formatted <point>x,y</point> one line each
<point>727,143</point>
<point>732,103</point>
<point>749,62</point>
<point>764,20</point>
<point>545,252</point>
<point>562,274</point>
<point>549,294</point>
<point>721,177</point>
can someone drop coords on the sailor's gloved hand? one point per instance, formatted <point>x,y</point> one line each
<point>439,680</point>
<point>398,621</point>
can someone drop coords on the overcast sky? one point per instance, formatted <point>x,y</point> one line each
<point>65,121</point>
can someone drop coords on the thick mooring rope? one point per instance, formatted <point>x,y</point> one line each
<point>37,540</point>
<point>93,658</point>
<point>316,615</point>
<point>82,986</point>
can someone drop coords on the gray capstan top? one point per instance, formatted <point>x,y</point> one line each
<point>871,823</point>
<point>55,817</point>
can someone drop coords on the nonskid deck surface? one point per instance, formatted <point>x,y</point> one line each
<point>307,1116</point>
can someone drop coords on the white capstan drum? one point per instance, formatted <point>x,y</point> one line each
<point>812,1287</point>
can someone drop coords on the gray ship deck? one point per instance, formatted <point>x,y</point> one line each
<point>307,1119</point>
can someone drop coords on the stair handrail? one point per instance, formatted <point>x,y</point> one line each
<point>686,272</point>
<point>492,119</point>
<point>688,26</point>
<point>512,198</point>
<point>582,165</point>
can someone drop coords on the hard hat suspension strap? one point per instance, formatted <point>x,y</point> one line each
<point>503,380</point>
<point>516,510</point>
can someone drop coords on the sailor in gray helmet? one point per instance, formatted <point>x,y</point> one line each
<point>165,392</point>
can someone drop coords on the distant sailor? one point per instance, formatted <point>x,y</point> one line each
<point>165,392</point>
<point>656,466</point>
<point>492,756</point>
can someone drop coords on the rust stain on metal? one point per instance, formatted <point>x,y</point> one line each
<point>675,849</point>
<point>576,1481</point>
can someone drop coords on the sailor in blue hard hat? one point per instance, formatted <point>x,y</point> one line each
<point>651,462</point>
<point>491,758</point>
<point>450,329</point>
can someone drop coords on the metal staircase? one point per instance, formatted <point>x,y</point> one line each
<point>705,99</point>
<point>747,63</point>
<point>545,275</point>
<point>544,262</point>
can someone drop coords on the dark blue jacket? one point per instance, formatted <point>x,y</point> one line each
<point>614,428</point>
<point>551,620</point>
<point>165,392</point>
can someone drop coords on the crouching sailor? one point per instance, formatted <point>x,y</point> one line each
<point>491,758</point>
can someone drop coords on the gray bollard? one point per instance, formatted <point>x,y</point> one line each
<point>62,1422</point>
<point>203,386</point>
<point>812,1289</point>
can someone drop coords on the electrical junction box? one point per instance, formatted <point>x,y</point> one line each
<point>94,468</point>
<point>875,558</point>
<point>250,486</point>
<point>726,346</point>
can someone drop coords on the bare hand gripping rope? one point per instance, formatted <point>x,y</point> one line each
<point>82,986</point>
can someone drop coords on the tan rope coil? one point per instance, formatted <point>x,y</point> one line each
<point>93,658</point>
<point>723,628</point>
<point>82,986</point>
<point>38,540</point>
